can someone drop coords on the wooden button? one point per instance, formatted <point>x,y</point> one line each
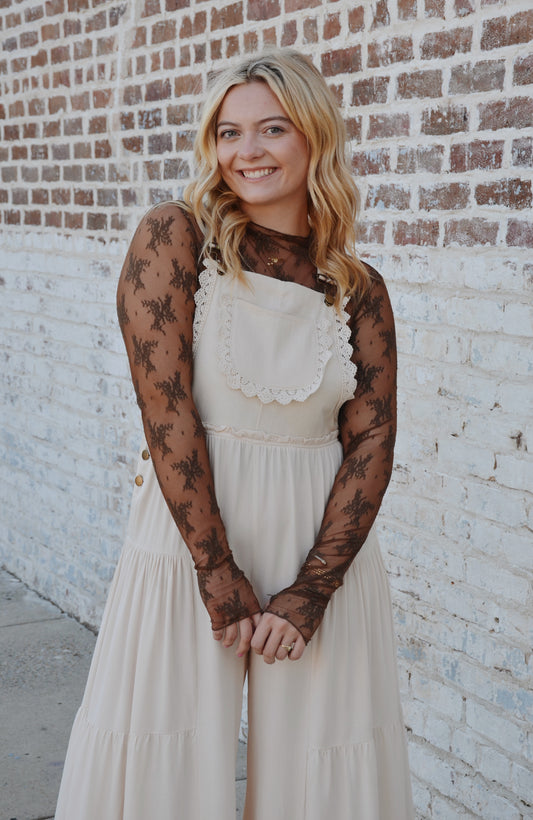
<point>139,480</point>
<point>145,454</point>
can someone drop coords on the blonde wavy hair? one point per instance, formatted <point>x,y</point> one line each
<point>332,196</point>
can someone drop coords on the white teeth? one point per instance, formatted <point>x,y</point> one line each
<point>264,172</point>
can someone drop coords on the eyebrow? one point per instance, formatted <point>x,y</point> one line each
<point>259,122</point>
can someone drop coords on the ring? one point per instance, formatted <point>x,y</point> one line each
<point>288,648</point>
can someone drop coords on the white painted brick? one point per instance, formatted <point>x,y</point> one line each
<point>497,581</point>
<point>505,734</point>
<point>494,765</point>
<point>444,700</point>
<point>522,782</point>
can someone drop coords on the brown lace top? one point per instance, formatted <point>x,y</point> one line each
<point>155,304</point>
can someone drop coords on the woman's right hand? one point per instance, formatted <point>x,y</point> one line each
<point>242,631</point>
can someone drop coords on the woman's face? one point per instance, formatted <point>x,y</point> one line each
<point>263,158</point>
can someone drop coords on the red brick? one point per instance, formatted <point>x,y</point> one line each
<point>332,26</point>
<point>134,144</point>
<point>116,13</point>
<point>370,90</point>
<point>169,59</point>
<point>514,113</point>
<point>106,198</point>
<point>39,152</point>
<point>407,9</point>
<point>33,14</point>
<point>9,174</point>
<point>199,23</point>
<point>388,196</point>
<point>98,125</point>
<point>187,84</point>
<point>10,44</point>
<point>523,152</point>
<point>20,64</point>
<point>102,98</point>
<point>32,218</point>
<point>503,31</point>
<point>423,232</point>
<point>16,109</point>
<point>61,78</point>
<point>227,17</point>
<point>102,149</point>
<point>463,8</point>
<point>270,36</point>
<point>132,95</point>
<point>434,8</point>
<point>251,40</point>
<point>158,90</point>
<point>159,143</point>
<point>28,39</point>
<point>395,50</point>
<point>56,104</point>
<point>523,70</point>
<point>519,234</point>
<point>51,31</point>
<point>381,16</point>
<point>72,127</point>
<point>298,5</point>
<point>60,196</point>
<point>37,107</point>
<point>289,33</point>
<point>54,7</point>
<point>420,84</point>
<point>31,131</point>
<point>480,154</point>
<point>186,28</point>
<point>20,196</point>
<point>442,44</point>
<point>382,126</point>
<point>78,5</point>
<point>81,102</point>
<point>371,162</point>
<point>470,232</point>
<point>484,76</point>
<point>72,173</point>
<point>163,31</point>
<point>12,20</point>
<point>450,120</point>
<point>152,169</point>
<point>82,150</point>
<point>354,128</point>
<point>19,152</point>
<point>310,30</point>
<point>140,37</point>
<point>356,19</point>
<point>40,196</point>
<point>200,52</point>
<point>51,129</point>
<point>371,232</point>
<point>341,61</point>
<point>96,222</point>
<point>449,197</point>
<point>95,173</point>
<point>215,48</point>
<point>50,173</point>
<point>74,222</point>
<point>83,49</point>
<point>506,193</point>
<point>263,9</point>
<point>152,118</point>
<point>53,220</point>
<point>412,160</point>
<point>71,27</point>
<point>61,152</point>
<point>232,46</point>
<point>96,23</point>
<point>174,5</point>
<point>151,7</point>
<point>12,217</point>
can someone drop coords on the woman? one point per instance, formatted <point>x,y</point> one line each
<point>246,316</point>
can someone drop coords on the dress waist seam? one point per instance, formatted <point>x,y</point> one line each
<point>271,439</point>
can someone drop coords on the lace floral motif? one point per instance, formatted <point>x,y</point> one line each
<point>349,368</point>
<point>206,285</point>
<point>250,387</point>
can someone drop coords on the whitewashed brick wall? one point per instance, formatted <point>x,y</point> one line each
<point>96,121</point>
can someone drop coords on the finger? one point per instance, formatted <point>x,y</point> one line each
<point>245,636</point>
<point>260,637</point>
<point>284,650</point>
<point>271,647</point>
<point>218,634</point>
<point>230,635</point>
<point>298,649</point>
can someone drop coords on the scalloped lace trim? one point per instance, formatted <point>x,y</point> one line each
<point>271,438</point>
<point>251,388</point>
<point>202,298</point>
<point>349,369</point>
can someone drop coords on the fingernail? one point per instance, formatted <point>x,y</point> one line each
<point>240,654</point>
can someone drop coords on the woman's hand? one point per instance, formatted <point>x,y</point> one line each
<point>242,630</point>
<point>273,638</point>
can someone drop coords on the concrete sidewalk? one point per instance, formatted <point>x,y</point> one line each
<point>44,660</point>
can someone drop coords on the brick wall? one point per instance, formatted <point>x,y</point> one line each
<point>97,119</point>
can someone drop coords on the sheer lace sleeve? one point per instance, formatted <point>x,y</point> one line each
<point>155,304</point>
<point>367,427</point>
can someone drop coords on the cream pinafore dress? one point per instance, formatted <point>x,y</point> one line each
<point>156,735</point>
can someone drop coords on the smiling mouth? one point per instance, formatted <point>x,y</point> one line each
<point>259,174</point>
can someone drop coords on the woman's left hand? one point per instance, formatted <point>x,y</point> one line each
<point>274,637</point>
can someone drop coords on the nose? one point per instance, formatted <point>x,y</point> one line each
<point>250,146</point>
